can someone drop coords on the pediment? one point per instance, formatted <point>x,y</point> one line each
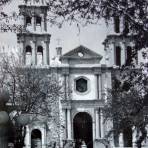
<point>81,52</point>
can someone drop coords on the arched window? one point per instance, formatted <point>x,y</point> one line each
<point>118,56</point>
<point>39,55</point>
<point>36,138</point>
<point>38,20</point>
<point>126,26</point>
<point>28,20</point>
<point>117,24</point>
<point>81,85</point>
<point>28,55</point>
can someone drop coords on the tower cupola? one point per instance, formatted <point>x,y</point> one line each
<point>34,40</point>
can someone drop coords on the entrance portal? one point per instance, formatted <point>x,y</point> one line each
<point>36,139</point>
<point>82,125</point>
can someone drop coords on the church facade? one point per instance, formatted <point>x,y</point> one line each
<point>85,81</point>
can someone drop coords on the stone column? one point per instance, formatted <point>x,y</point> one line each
<point>97,125</point>
<point>45,22</point>
<point>42,23</point>
<point>44,137</point>
<point>66,86</point>
<point>97,86</point>
<point>100,87</point>
<point>40,2</point>
<point>69,124</point>
<point>121,144</point>
<point>27,138</point>
<point>32,1</point>
<point>44,53</point>
<point>123,53</point>
<point>34,56</point>
<point>112,54</point>
<point>24,21</point>
<point>33,22</point>
<point>121,24</point>
<point>47,52</point>
<point>22,56</point>
<point>101,123</point>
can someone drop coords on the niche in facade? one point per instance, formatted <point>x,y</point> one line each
<point>28,55</point>
<point>81,85</point>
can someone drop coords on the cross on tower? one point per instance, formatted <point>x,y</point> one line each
<point>58,41</point>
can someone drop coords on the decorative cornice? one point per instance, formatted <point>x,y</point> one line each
<point>69,104</point>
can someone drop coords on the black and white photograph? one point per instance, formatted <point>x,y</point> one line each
<point>73,73</point>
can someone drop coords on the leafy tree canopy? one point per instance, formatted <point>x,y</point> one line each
<point>135,13</point>
<point>127,101</point>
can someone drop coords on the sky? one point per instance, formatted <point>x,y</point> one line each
<point>91,36</point>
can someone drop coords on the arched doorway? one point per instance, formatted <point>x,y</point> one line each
<point>36,139</point>
<point>28,57</point>
<point>82,125</point>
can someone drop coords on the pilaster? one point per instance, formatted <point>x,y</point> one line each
<point>44,53</point>
<point>42,23</point>
<point>112,54</point>
<point>123,52</point>
<point>97,72</point>
<point>47,52</point>
<point>27,139</point>
<point>33,23</point>
<point>101,123</point>
<point>34,52</point>
<point>97,124</point>
<point>69,137</point>
<point>22,52</point>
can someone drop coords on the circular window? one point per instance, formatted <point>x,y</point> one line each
<point>81,85</point>
<point>80,54</point>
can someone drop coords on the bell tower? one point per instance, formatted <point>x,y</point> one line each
<point>34,40</point>
<point>119,43</point>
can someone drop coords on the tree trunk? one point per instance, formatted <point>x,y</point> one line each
<point>3,137</point>
<point>20,136</point>
<point>142,137</point>
<point>127,135</point>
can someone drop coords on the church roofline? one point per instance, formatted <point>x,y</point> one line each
<point>67,55</point>
<point>114,37</point>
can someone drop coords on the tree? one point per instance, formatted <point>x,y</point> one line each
<point>125,105</point>
<point>134,12</point>
<point>34,93</point>
<point>90,11</point>
<point>3,2</point>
